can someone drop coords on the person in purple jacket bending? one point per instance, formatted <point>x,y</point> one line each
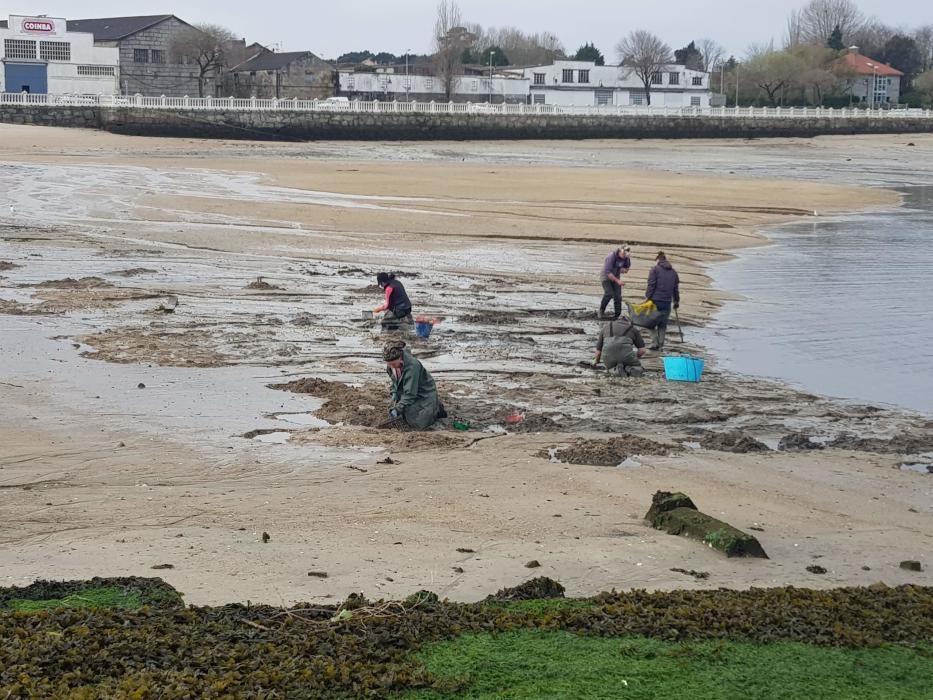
<point>617,264</point>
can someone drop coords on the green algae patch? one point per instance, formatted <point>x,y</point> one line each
<point>117,593</point>
<point>537,664</point>
<point>365,648</point>
<point>115,598</point>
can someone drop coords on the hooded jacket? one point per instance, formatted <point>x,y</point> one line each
<point>414,393</point>
<point>663,284</point>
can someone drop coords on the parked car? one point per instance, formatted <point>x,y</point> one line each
<point>334,104</point>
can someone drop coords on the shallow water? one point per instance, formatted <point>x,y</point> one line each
<point>838,306</point>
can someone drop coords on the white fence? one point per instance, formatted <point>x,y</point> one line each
<point>340,105</point>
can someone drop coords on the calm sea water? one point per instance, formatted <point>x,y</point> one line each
<point>840,306</point>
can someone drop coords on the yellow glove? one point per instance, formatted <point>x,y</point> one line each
<point>644,308</point>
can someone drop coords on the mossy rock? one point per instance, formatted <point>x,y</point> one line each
<point>715,533</point>
<point>664,501</point>
<point>541,588</point>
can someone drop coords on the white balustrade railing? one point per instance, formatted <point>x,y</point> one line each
<point>297,105</point>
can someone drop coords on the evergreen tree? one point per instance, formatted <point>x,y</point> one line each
<point>689,56</point>
<point>835,40</point>
<point>589,52</point>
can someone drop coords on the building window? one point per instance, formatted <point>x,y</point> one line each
<point>429,84</point>
<point>351,82</point>
<point>698,81</point>
<point>638,98</point>
<point>657,78</point>
<point>583,76</point>
<point>140,55</point>
<point>19,48</point>
<point>96,71</point>
<point>54,51</point>
<point>695,101</point>
<point>475,86</point>
<point>673,78</point>
<point>540,78</point>
<point>538,99</point>
<point>157,56</point>
<point>568,75</point>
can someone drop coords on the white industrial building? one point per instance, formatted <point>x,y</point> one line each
<point>391,86</point>
<point>583,83</point>
<point>40,55</point>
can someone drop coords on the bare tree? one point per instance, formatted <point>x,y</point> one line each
<point>647,55</point>
<point>924,38</point>
<point>923,88</point>
<point>871,37</point>
<point>450,39</point>
<point>203,45</point>
<point>712,53</point>
<point>772,72</point>
<point>521,48</point>
<point>818,18</point>
<point>815,77</point>
<point>793,35</point>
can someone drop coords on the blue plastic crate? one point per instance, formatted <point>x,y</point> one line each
<point>683,368</point>
<point>424,329</point>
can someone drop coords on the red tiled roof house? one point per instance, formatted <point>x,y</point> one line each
<point>871,82</point>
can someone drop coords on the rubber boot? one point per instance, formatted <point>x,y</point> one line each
<point>660,332</point>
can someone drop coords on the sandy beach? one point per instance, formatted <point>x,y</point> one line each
<point>122,436</point>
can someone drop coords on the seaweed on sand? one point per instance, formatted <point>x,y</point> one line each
<point>315,651</point>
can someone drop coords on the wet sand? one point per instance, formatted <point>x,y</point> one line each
<point>101,477</point>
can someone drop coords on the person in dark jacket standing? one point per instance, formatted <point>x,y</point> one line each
<point>664,290</point>
<point>413,393</point>
<point>617,264</point>
<point>397,305</point>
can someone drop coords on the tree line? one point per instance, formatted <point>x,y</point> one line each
<point>806,69</point>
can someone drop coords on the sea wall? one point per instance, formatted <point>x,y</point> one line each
<point>311,126</point>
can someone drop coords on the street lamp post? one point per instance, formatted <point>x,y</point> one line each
<point>491,54</point>
<point>407,77</point>
<point>874,83</point>
<point>736,87</point>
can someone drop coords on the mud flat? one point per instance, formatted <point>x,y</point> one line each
<point>126,396</point>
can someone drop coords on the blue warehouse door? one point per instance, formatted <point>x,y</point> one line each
<point>27,77</point>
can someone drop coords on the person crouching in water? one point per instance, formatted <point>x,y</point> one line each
<point>620,346</point>
<point>664,290</point>
<point>414,394</point>
<point>397,305</point>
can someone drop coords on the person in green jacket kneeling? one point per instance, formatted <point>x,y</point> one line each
<point>414,393</point>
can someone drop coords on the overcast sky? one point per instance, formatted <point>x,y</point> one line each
<point>334,27</point>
